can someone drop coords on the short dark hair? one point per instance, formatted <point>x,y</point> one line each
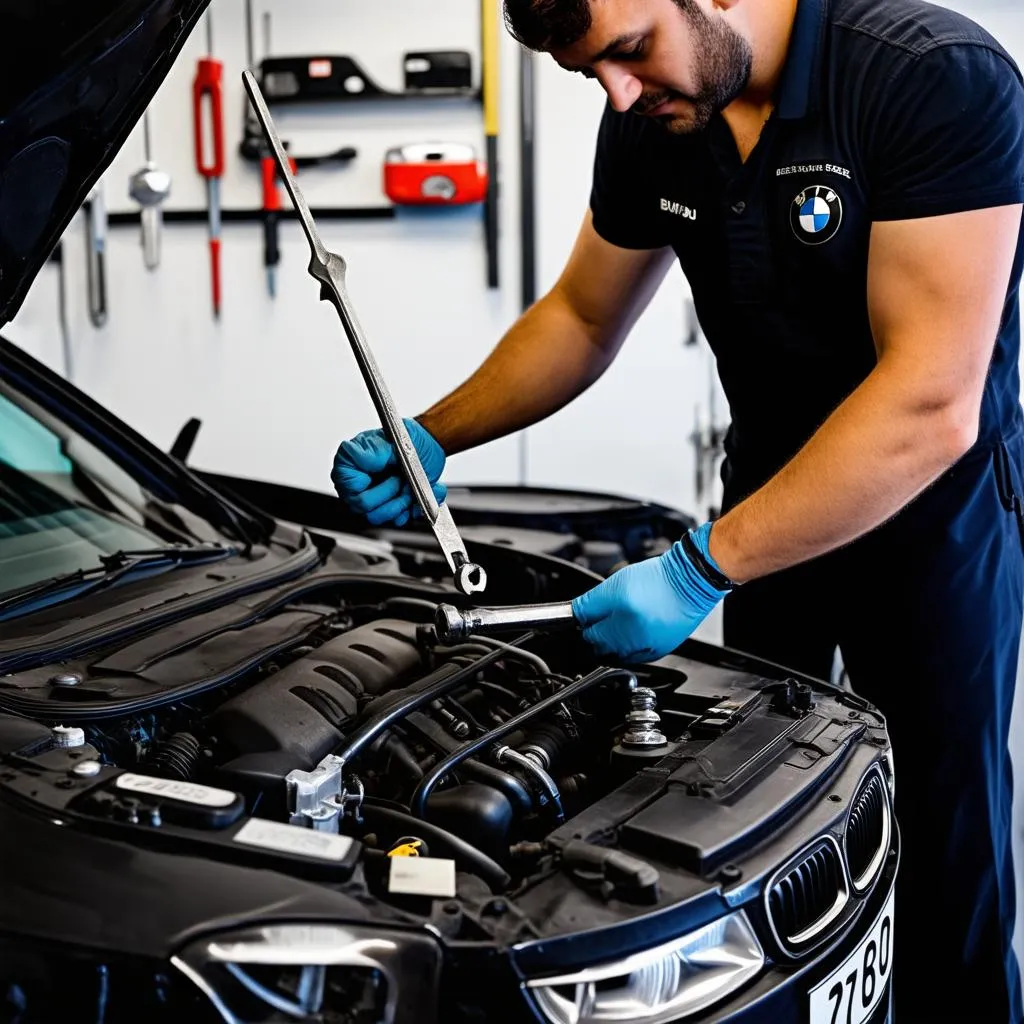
<point>548,24</point>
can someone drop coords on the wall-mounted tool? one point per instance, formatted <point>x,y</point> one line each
<point>320,77</point>
<point>252,146</point>
<point>253,149</point>
<point>208,123</point>
<point>271,216</point>
<point>57,258</point>
<point>328,269</point>
<point>490,42</point>
<point>527,209</point>
<point>432,174</point>
<point>96,258</point>
<point>149,187</point>
<point>428,71</point>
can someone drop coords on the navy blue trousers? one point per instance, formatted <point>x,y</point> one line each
<point>927,613</point>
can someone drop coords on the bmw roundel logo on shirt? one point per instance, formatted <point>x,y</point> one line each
<point>816,214</point>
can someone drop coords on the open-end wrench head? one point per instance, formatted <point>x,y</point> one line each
<point>470,579</point>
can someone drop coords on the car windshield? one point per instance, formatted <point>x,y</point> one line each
<point>63,503</point>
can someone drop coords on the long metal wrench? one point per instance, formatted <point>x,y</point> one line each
<point>329,269</point>
<point>453,625</point>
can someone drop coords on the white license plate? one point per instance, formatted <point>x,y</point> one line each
<point>853,990</point>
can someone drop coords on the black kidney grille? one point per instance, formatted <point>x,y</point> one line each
<point>806,892</point>
<point>865,828</point>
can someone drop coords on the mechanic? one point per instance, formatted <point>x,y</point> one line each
<point>841,181</point>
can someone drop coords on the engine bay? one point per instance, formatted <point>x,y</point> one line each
<point>331,703</point>
<point>349,727</point>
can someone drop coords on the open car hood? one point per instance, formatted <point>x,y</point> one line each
<point>86,70</point>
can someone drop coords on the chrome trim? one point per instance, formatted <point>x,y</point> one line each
<point>206,988</point>
<point>861,884</point>
<point>823,922</point>
<point>303,945</point>
<point>740,949</point>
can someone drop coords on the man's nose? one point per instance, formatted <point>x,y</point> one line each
<point>622,87</point>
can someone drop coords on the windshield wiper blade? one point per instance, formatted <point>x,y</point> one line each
<point>111,570</point>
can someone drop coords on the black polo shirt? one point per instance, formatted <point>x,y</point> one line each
<point>887,110</point>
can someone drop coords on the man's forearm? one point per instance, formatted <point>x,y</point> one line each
<point>547,358</point>
<point>874,454</point>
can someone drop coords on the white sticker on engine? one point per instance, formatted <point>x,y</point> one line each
<point>422,876</point>
<point>171,789</point>
<point>273,835</point>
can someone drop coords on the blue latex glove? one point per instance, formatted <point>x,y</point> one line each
<point>646,610</point>
<point>368,479</point>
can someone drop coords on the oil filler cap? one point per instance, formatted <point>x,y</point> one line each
<point>409,846</point>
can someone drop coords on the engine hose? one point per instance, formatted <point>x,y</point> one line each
<point>514,652</point>
<point>377,816</point>
<point>439,682</point>
<point>515,792</point>
<point>532,768</point>
<point>418,803</point>
<point>397,752</point>
<point>174,758</point>
<point>420,603</point>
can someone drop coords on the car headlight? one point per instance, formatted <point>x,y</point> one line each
<point>315,972</point>
<point>661,984</point>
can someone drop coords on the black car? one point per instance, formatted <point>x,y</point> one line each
<point>243,780</point>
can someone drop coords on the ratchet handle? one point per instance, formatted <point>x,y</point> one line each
<point>453,625</point>
<point>207,92</point>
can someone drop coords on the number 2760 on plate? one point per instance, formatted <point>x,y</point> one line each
<point>850,994</point>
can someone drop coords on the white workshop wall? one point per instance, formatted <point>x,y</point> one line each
<point>274,381</point>
<point>631,432</point>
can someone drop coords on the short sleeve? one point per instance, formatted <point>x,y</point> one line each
<point>948,135</point>
<point>619,199</point>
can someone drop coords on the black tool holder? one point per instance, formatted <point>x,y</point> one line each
<point>429,75</point>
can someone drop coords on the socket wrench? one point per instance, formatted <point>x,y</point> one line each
<point>328,269</point>
<point>453,625</point>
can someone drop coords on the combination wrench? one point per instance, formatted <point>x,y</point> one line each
<point>328,269</point>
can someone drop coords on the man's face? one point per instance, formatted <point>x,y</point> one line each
<point>677,61</point>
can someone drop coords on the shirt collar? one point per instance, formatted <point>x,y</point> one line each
<point>798,93</point>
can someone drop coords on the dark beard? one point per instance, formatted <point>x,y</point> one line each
<point>724,72</point>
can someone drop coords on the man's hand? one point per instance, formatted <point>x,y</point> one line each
<point>367,477</point>
<point>644,611</point>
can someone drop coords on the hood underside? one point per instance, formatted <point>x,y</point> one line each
<point>86,72</point>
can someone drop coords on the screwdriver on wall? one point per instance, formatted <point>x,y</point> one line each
<point>271,216</point>
<point>208,122</point>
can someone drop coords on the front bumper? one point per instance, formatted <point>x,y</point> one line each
<point>478,990</point>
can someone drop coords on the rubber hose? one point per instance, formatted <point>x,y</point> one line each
<point>440,841</point>
<point>418,803</point>
<point>514,791</point>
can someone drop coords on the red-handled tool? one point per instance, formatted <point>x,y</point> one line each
<point>208,122</point>
<point>271,211</point>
